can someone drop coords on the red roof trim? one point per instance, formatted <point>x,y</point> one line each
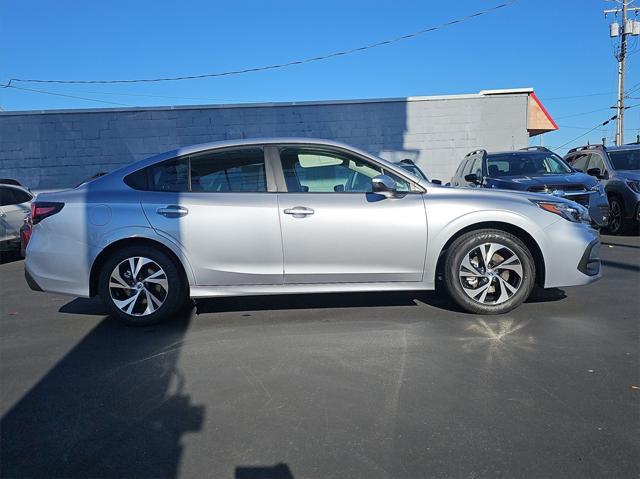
<point>544,110</point>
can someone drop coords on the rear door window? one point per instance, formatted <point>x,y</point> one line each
<point>13,196</point>
<point>237,170</point>
<point>170,175</point>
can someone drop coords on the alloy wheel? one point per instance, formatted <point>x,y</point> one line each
<point>490,273</point>
<point>615,216</point>
<point>138,286</point>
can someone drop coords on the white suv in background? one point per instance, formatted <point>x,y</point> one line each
<point>15,206</point>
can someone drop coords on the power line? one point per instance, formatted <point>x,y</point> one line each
<point>148,95</point>
<point>68,96</point>
<point>606,122</point>
<point>583,113</point>
<point>587,128</point>
<point>280,65</point>
<point>576,96</point>
<point>587,132</point>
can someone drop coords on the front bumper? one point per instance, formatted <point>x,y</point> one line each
<point>571,255</point>
<point>599,215</point>
<point>590,261</point>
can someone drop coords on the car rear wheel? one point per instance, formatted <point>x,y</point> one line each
<point>141,286</point>
<point>489,271</point>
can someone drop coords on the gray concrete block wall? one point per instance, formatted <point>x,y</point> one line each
<point>57,149</point>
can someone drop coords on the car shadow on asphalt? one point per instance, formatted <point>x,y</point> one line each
<point>279,471</point>
<point>116,405</point>
<point>230,304</point>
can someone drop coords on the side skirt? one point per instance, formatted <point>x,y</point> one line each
<point>259,289</point>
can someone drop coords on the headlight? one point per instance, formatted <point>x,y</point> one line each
<point>569,211</point>
<point>634,185</point>
<point>599,188</point>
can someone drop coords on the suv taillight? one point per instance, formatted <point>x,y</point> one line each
<point>43,209</point>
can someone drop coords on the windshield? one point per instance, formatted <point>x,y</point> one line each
<point>518,164</point>
<point>413,169</point>
<point>625,159</point>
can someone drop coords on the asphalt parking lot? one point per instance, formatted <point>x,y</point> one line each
<point>343,386</point>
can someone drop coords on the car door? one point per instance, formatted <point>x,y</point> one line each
<point>14,207</point>
<point>596,161</point>
<point>335,230</point>
<point>579,162</point>
<point>220,206</point>
<point>473,167</point>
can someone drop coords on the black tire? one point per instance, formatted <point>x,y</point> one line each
<point>617,223</point>
<point>174,297</point>
<point>464,246</point>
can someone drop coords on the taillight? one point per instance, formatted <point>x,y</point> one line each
<point>41,210</point>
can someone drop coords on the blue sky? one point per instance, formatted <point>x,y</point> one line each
<point>561,48</point>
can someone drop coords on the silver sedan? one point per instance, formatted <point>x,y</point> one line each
<point>292,215</point>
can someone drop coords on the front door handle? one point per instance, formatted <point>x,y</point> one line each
<point>299,211</point>
<point>173,211</point>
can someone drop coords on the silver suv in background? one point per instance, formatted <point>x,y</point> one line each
<point>291,215</point>
<point>618,167</point>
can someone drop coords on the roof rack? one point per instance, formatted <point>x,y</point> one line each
<point>587,147</point>
<point>476,152</point>
<point>535,148</point>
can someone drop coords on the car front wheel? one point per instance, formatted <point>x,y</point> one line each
<point>141,286</point>
<point>489,271</point>
<point>616,216</point>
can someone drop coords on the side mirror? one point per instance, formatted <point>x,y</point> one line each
<point>472,178</point>
<point>436,182</point>
<point>383,185</point>
<point>594,172</point>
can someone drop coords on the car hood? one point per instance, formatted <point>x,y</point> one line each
<point>527,181</point>
<point>628,174</point>
<point>498,193</point>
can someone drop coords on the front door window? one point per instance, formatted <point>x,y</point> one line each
<point>308,170</point>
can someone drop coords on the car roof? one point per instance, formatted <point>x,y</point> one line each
<point>623,147</point>
<point>192,149</point>
<point>597,147</point>
<point>202,147</point>
<point>518,152</point>
<point>189,150</point>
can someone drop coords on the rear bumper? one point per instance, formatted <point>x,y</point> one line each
<point>31,282</point>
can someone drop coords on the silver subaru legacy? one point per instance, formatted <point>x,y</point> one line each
<point>293,215</point>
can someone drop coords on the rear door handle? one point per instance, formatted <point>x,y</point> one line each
<point>299,211</point>
<point>173,211</point>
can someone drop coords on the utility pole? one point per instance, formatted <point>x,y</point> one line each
<point>628,27</point>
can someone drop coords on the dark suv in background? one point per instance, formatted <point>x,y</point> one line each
<point>534,169</point>
<point>619,169</point>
